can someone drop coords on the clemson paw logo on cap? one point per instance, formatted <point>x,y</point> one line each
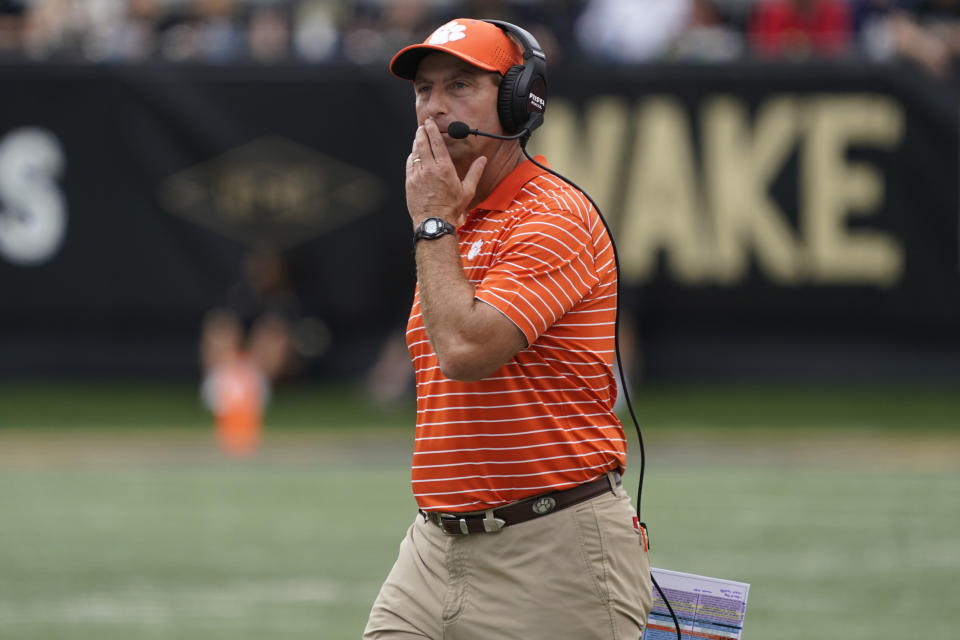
<point>448,33</point>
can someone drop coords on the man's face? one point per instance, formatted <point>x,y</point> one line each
<point>448,89</point>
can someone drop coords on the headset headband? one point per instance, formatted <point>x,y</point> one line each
<point>526,40</point>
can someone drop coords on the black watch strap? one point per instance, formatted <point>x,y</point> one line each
<point>432,228</point>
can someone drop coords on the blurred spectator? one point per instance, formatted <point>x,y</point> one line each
<point>736,13</point>
<point>930,35</point>
<point>316,36</point>
<point>631,31</point>
<point>96,30</point>
<point>800,29</point>
<point>552,25</point>
<point>708,37</point>
<point>377,30</point>
<point>922,31</point>
<point>47,31</point>
<point>259,337</point>
<point>11,28</point>
<point>405,21</point>
<point>202,31</point>
<point>133,37</point>
<point>872,22</point>
<point>268,34</point>
<point>258,319</point>
<point>244,346</point>
<point>362,38</point>
<point>941,18</point>
<point>219,31</point>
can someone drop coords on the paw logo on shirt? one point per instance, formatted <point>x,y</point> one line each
<point>544,505</point>
<point>448,33</point>
<point>474,250</point>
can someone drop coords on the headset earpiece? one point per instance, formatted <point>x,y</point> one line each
<point>522,97</point>
<point>512,112</point>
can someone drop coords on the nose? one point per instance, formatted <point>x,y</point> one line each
<point>432,107</point>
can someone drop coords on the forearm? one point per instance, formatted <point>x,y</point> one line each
<point>471,339</point>
<point>450,312</point>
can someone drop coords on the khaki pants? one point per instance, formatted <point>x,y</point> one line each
<point>579,573</point>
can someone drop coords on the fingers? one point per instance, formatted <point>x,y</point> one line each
<point>438,147</point>
<point>428,143</point>
<point>472,179</point>
<point>421,145</point>
<point>431,175</point>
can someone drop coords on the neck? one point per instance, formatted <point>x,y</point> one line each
<point>507,156</point>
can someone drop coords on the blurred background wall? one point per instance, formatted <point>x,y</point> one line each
<point>781,176</point>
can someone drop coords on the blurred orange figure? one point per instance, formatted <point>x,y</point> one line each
<point>236,394</point>
<point>245,347</point>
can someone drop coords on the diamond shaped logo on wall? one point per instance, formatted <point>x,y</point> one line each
<point>272,192</point>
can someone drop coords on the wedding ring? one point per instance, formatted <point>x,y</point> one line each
<point>416,159</point>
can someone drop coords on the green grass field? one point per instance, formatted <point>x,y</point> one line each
<point>119,519</point>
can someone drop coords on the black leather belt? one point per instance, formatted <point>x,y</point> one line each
<point>457,524</point>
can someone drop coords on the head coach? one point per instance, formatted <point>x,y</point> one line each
<point>524,529</point>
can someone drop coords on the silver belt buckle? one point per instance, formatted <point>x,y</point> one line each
<point>490,524</point>
<point>443,518</point>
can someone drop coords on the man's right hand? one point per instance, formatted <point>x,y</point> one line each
<point>433,187</point>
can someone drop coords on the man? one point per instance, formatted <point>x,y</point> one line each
<point>524,530</point>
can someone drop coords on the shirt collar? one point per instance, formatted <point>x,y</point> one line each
<point>504,194</point>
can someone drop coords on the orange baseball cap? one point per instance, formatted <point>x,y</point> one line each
<point>476,42</point>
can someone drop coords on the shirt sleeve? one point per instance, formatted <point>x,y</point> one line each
<point>542,269</point>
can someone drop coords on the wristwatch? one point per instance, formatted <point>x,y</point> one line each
<point>432,228</point>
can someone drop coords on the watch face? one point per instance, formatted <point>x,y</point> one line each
<point>431,226</point>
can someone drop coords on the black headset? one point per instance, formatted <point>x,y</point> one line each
<point>522,98</point>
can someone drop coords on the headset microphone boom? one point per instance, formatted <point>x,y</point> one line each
<point>460,130</point>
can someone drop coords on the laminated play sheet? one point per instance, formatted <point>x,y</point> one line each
<point>706,607</point>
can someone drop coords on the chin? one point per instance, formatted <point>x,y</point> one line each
<point>458,151</point>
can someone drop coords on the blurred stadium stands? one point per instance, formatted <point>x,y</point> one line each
<point>369,31</point>
<point>750,260</point>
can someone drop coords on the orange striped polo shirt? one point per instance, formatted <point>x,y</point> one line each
<point>536,250</point>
